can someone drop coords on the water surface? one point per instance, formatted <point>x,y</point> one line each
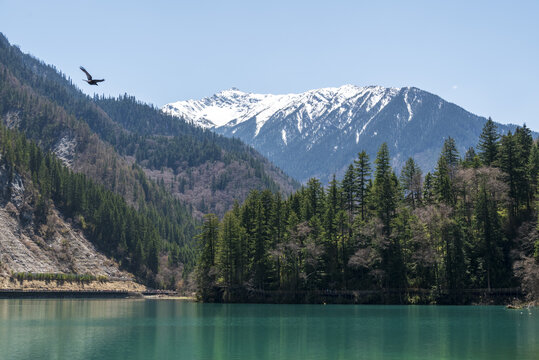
<point>169,329</point>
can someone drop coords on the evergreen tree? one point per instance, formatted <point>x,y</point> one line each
<point>384,191</point>
<point>363,173</point>
<point>443,186</point>
<point>488,143</point>
<point>451,154</point>
<point>349,190</point>
<point>489,237</point>
<point>411,182</point>
<point>428,189</point>
<point>524,142</point>
<point>331,235</point>
<point>208,239</point>
<point>533,169</point>
<point>509,164</point>
<point>229,253</point>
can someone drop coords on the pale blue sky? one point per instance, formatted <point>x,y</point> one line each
<point>481,55</point>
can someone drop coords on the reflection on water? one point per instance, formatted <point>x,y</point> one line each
<point>168,329</point>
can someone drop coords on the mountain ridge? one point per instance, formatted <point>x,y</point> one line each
<point>329,126</point>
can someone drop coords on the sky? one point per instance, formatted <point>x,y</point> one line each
<point>481,55</point>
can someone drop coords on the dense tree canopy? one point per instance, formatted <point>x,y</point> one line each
<point>455,229</point>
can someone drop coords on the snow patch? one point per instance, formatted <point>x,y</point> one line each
<point>283,136</point>
<point>408,106</point>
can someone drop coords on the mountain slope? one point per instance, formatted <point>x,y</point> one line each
<point>186,161</point>
<point>56,222</point>
<point>319,132</point>
<point>206,170</point>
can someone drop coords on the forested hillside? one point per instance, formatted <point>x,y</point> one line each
<point>56,130</point>
<point>470,224</point>
<point>193,164</point>
<point>164,169</point>
<point>135,238</point>
<point>204,169</point>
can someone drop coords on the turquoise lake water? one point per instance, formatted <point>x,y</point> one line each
<point>169,329</point>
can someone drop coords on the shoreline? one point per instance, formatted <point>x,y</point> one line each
<point>20,294</point>
<point>90,294</point>
<point>66,294</point>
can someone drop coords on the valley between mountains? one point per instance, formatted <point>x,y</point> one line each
<point>243,197</point>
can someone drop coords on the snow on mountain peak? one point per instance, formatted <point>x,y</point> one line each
<point>232,107</point>
<point>318,132</point>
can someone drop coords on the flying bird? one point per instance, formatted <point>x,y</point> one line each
<point>90,80</point>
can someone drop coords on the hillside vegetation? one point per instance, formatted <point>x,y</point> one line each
<point>100,134</point>
<point>132,237</point>
<point>471,224</point>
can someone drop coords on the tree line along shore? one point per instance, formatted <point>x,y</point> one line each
<point>470,225</point>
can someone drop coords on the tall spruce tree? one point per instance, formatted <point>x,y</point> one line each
<point>363,174</point>
<point>205,270</point>
<point>349,190</point>
<point>509,164</point>
<point>384,188</point>
<point>450,152</point>
<point>488,143</point>
<point>489,237</point>
<point>524,141</point>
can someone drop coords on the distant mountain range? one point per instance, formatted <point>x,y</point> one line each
<point>319,132</point>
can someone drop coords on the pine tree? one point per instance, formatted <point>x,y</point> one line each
<point>509,164</point>
<point>208,238</point>
<point>488,143</point>
<point>385,197</point>
<point>312,201</point>
<point>524,142</point>
<point>410,180</point>
<point>228,253</point>
<point>428,189</point>
<point>489,237</point>
<point>349,190</point>
<point>330,235</point>
<point>451,154</point>
<point>363,173</point>
<point>533,169</point>
<point>384,189</point>
<point>259,241</point>
<point>443,186</point>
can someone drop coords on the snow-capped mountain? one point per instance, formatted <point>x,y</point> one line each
<point>232,107</point>
<point>319,132</point>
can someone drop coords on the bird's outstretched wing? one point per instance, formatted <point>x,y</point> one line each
<point>87,73</point>
<point>96,80</point>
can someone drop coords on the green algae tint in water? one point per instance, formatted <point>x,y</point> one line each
<point>167,329</point>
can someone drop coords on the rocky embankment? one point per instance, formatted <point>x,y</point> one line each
<point>56,247</point>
